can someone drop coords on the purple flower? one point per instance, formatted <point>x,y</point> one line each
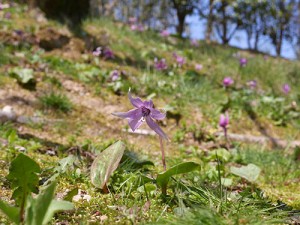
<point>97,52</point>
<point>160,64</point>
<point>114,75</point>
<point>4,6</point>
<point>108,53</point>
<point>266,57</point>
<point>164,33</point>
<point>224,120</point>
<point>252,83</point>
<point>140,28</point>
<point>227,81</point>
<point>194,43</point>
<point>243,62</point>
<point>179,59</point>
<point>143,111</point>
<point>198,67</point>
<point>132,20</point>
<point>133,27</point>
<point>286,88</point>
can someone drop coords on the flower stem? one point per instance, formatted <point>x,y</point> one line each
<point>162,153</point>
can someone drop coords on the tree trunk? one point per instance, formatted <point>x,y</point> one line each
<point>31,4</point>
<point>209,26</point>
<point>279,40</point>
<point>180,26</point>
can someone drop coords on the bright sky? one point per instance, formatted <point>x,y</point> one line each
<point>197,31</point>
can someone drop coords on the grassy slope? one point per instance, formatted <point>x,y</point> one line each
<point>197,96</point>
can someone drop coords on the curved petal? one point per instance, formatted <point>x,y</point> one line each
<point>156,128</point>
<point>148,104</point>
<point>136,102</point>
<point>131,114</point>
<point>156,114</point>
<point>135,123</point>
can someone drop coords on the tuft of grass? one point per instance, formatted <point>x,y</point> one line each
<point>55,101</point>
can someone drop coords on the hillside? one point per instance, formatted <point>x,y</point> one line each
<point>63,97</point>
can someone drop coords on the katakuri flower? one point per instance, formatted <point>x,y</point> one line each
<point>227,81</point>
<point>243,62</point>
<point>160,64</point>
<point>114,75</point>
<point>179,59</point>
<point>97,52</point>
<point>194,43</point>
<point>108,53</point>
<point>198,67</point>
<point>224,120</point>
<point>144,111</point>
<point>164,33</point>
<point>286,88</point>
<point>252,83</point>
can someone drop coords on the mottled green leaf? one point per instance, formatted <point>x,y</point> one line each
<point>106,163</point>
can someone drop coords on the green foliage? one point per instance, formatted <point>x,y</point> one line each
<point>163,178</point>
<point>23,177</point>
<point>249,172</point>
<point>106,163</point>
<point>13,213</point>
<point>24,76</point>
<point>55,101</point>
<point>41,209</point>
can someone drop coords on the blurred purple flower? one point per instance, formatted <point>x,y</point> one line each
<point>198,67</point>
<point>179,59</point>
<point>160,64</point>
<point>164,33</point>
<point>143,111</point>
<point>97,52</point>
<point>114,75</point>
<point>286,88</point>
<point>266,57</point>
<point>140,28</point>
<point>224,120</point>
<point>7,15</point>
<point>132,20</point>
<point>108,53</point>
<point>243,62</point>
<point>252,83</point>
<point>227,81</point>
<point>133,27</point>
<point>195,43</point>
<point>4,6</point>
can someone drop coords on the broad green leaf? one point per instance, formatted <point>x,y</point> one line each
<point>23,177</point>
<point>163,178</point>
<point>71,194</point>
<point>226,181</point>
<point>42,203</point>
<point>106,163</point>
<point>56,206</point>
<point>65,163</point>
<point>23,75</point>
<point>41,209</point>
<point>221,154</point>
<point>149,188</point>
<point>249,172</point>
<point>13,213</point>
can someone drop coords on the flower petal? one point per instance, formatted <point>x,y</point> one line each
<point>132,114</point>
<point>156,128</point>
<point>156,114</point>
<point>136,102</point>
<point>135,123</point>
<point>148,104</point>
